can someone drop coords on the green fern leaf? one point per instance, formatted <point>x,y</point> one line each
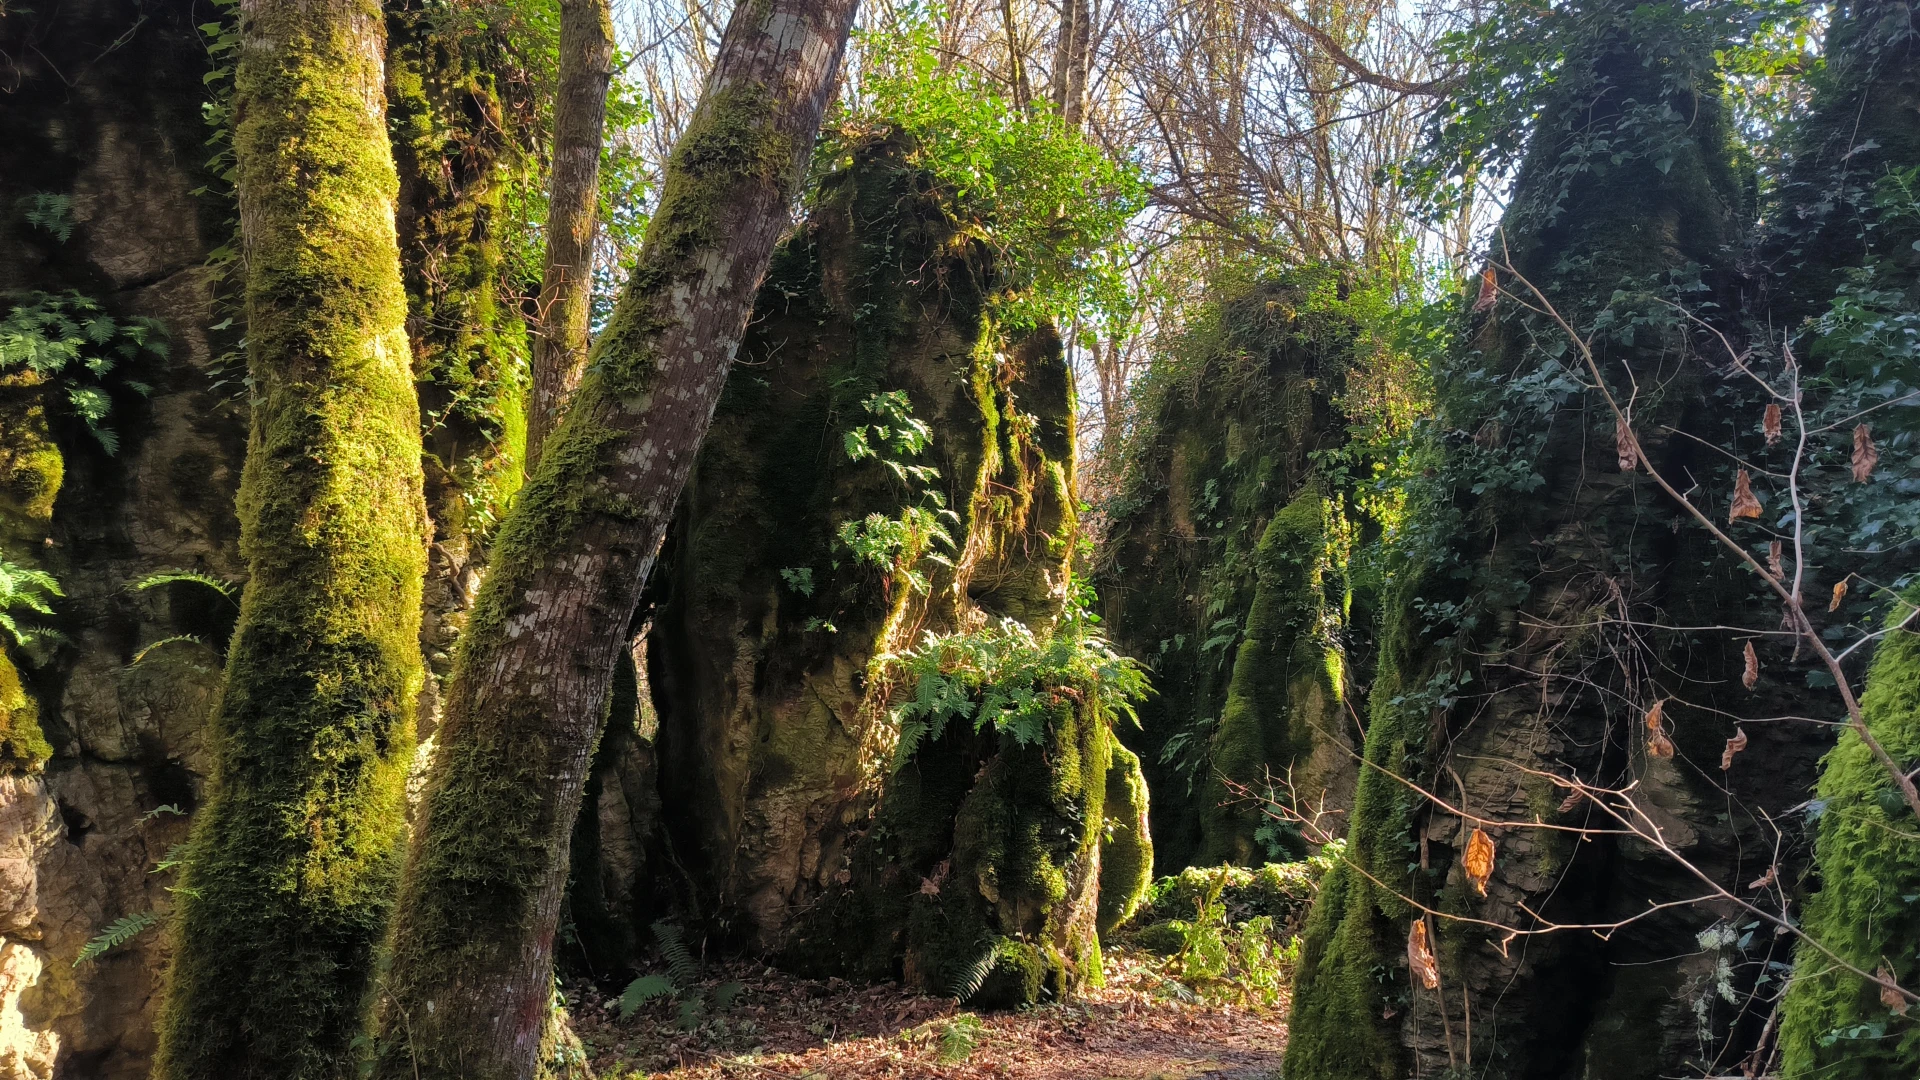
<point>642,990</point>
<point>115,935</point>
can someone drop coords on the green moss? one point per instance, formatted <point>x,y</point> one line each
<point>1282,700</point>
<point>1126,849</point>
<point>1833,1023</point>
<point>23,748</point>
<point>295,854</point>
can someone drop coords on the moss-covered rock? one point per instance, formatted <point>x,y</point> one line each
<point>1229,416</point>
<point>1126,848</point>
<point>1834,1023</point>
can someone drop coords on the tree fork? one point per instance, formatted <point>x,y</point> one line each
<point>471,978</point>
<point>295,856</point>
<point>566,287</point>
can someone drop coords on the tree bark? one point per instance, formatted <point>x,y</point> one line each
<point>471,980</point>
<point>296,853</point>
<point>566,288</point>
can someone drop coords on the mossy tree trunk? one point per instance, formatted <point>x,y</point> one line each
<point>458,116</point>
<point>566,287</point>
<point>1525,557</point>
<point>295,855</point>
<point>471,979</point>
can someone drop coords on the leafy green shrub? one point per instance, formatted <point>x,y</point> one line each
<point>22,587</point>
<point>1006,676</point>
<point>1021,180</point>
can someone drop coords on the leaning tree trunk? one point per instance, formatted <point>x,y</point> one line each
<point>566,289</point>
<point>471,978</point>
<point>295,855</point>
<point>1524,638</point>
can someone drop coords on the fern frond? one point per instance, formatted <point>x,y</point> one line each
<point>673,946</point>
<point>968,980</point>
<point>168,577</point>
<point>115,935</point>
<point>174,640</point>
<point>642,990</point>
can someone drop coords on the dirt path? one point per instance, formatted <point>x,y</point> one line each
<point>1137,1027</point>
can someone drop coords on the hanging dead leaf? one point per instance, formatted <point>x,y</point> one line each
<point>1479,860</point>
<point>1770,424</point>
<point>1890,994</point>
<point>1567,804</point>
<point>1773,560</point>
<point>1655,715</point>
<point>1865,454</point>
<point>1623,445</point>
<point>1658,745</point>
<point>1751,674</point>
<point>1745,505</point>
<point>1763,880</point>
<point>1839,594</point>
<point>1734,746</point>
<point>1489,290</point>
<point>1420,956</point>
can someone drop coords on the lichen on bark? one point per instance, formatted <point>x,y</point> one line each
<point>295,854</point>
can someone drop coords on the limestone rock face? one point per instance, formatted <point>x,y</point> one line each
<point>105,110</point>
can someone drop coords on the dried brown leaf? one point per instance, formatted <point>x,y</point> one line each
<point>1420,956</point>
<point>1567,804</point>
<point>1890,994</point>
<point>1839,595</point>
<point>1655,714</point>
<point>1658,745</point>
<point>1734,746</point>
<point>1865,454</point>
<point>1745,505</point>
<point>1623,445</point>
<point>1751,674</point>
<point>1489,290</point>
<point>1770,424</point>
<point>1479,860</point>
<point>1773,560</point>
<point>1763,880</point>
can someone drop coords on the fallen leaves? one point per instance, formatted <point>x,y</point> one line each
<point>1420,956</point>
<point>1750,675</point>
<point>1865,454</point>
<point>1479,860</point>
<point>1745,504</point>
<point>1734,746</point>
<point>1770,424</point>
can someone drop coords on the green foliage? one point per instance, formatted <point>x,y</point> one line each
<point>898,544</point>
<point>73,342</point>
<point>1049,203</point>
<point>117,933</point>
<point>22,587</point>
<point>679,981</point>
<point>1216,952</point>
<point>49,212</point>
<point>1009,678</point>
<point>191,577</point>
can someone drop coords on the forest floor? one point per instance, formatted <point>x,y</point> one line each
<point>1140,1026</point>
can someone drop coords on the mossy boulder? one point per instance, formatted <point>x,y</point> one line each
<point>1205,578</point>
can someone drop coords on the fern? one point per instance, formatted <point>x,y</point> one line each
<point>968,981</point>
<point>681,965</point>
<point>25,587</point>
<point>168,577</point>
<point>959,1037</point>
<point>642,990</point>
<point>119,933</point>
<point>174,640</point>
<point>48,211</point>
